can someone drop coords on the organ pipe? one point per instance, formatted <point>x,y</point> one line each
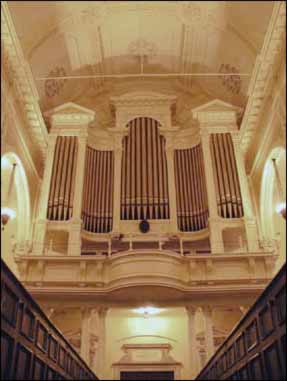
<point>229,201</point>
<point>97,209</point>
<point>191,194</point>
<point>144,190</point>
<point>60,202</point>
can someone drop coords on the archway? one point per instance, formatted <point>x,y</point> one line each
<point>15,195</point>
<point>273,224</point>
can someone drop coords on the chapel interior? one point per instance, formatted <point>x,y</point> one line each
<point>143,189</point>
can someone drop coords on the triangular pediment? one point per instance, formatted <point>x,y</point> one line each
<point>216,106</point>
<point>70,108</point>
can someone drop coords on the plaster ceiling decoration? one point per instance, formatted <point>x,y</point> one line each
<point>80,51</point>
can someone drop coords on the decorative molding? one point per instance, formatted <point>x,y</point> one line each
<point>263,74</point>
<point>143,104</point>
<point>217,111</point>
<point>70,113</point>
<point>21,76</point>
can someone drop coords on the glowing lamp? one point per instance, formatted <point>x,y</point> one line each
<point>7,214</point>
<point>146,311</point>
<point>281,209</point>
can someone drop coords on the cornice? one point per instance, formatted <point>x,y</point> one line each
<point>21,76</point>
<point>263,74</point>
<point>70,113</point>
<point>143,99</point>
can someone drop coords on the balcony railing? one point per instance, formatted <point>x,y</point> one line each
<point>256,348</point>
<point>31,346</point>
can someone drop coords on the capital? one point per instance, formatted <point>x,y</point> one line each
<point>191,309</point>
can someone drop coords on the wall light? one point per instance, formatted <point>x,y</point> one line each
<point>281,209</point>
<point>6,215</point>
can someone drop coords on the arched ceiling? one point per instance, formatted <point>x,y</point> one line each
<point>106,40</point>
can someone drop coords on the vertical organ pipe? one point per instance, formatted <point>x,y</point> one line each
<point>60,202</point>
<point>144,171</point>
<point>226,176</point>
<point>98,193</point>
<point>192,209</point>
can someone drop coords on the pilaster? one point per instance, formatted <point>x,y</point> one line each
<point>171,182</point>
<point>193,350</point>
<point>209,340</point>
<point>85,334</point>
<point>118,135</point>
<point>40,229</point>
<point>249,217</point>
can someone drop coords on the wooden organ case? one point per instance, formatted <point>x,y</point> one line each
<point>178,179</point>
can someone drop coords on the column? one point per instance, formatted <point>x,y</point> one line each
<point>74,243</point>
<point>209,341</point>
<point>215,232</point>
<point>118,152</point>
<point>192,342</point>
<point>85,334</point>
<point>101,358</point>
<point>171,184</point>
<point>40,229</point>
<point>249,218</point>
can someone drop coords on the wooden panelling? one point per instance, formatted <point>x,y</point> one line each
<point>31,347</point>
<point>256,348</point>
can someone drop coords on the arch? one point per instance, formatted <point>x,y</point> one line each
<point>23,207</point>
<point>273,225</point>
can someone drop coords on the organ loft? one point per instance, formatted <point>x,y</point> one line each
<point>143,174</point>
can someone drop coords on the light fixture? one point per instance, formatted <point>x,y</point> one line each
<point>6,215</point>
<point>148,310</point>
<point>281,209</point>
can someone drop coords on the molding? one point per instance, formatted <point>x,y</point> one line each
<point>22,78</point>
<point>263,74</point>
<point>70,113</point>
<point>217,111</point>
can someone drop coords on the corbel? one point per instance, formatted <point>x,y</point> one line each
<point>251,267</point>
<point>23,270</point>
<point>40,271</point>
<point>83,273</point>
<point>192,269</point>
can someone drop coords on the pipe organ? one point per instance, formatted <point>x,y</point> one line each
<point>228,194</point>
<point>144,183</point>
<point>60,203</point>
<point>191,197</point>
<point>145,169</point>
<point>97,208</point>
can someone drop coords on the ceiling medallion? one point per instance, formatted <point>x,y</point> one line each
<point>94,14</point>
<point>231,82</point>
<point>202,13</point>
<point>54,86</point>
<point>142,48</point>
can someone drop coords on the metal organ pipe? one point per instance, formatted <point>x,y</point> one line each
<point>97,207</point>
<point>226,176</point>
<point>144,172</point>
<point>60,202</point>
<point>191,196</point>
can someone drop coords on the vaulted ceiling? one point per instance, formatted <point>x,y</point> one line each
<point>112,45</point>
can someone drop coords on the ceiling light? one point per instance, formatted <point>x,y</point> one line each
<point>146,311</point>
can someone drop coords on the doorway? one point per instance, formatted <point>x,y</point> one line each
<point>147,376</point>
